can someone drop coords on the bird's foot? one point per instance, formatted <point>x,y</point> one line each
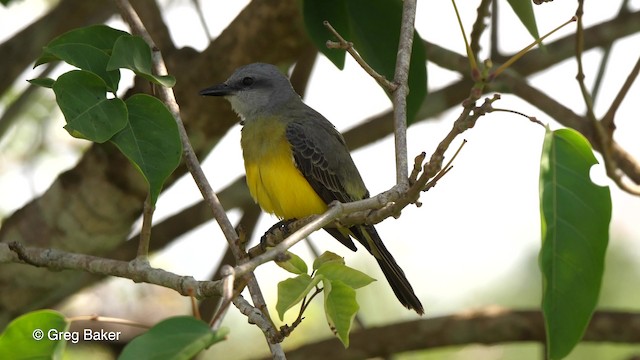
<point>278,232</point>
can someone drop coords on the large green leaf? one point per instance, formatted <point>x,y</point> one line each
<point>524,10</point>
<point>82,97</point>
<point>150,140</point>
<point>575,215</point>
<point>36,335</point>
<point>340,307</point>
<point>315,12</point>
<point>98,36</point>
<point>177,338</point>
<point>87,57</point>
<point>133,53</point>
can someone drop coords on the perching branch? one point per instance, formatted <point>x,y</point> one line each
<point>348,46</point>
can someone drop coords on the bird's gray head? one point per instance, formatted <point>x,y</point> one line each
<point>255,90</point>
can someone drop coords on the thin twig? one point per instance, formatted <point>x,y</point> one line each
<point>473,64</point>
<point>606,55</point>
<point>533,119</point>
<point>203,22</point>
<point>588,100</point>
<point>348,46</point>
<point>286,330</point>
<point>479,25</point>
<point>145,231</point>
<point>608,120</point>
<point>521,53</point>
<point>447,167</point>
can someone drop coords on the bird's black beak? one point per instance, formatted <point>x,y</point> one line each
<point>218,90</point>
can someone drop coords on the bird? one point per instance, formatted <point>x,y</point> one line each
<point>297,162</point>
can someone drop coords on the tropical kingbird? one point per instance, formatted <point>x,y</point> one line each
<point>297,162</point>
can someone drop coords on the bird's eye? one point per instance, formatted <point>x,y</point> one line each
<point>247,81</point>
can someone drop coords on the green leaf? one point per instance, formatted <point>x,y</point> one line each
<point>524,11</point>
<point>291,291</point>
<point>87,57</point>
<point>82,98</point>
<point>99,36</point>
<point>133,53</point>
<point>294,265</point>
<point>43,82</point>
<point>20,339</point>
<point>150,140</point>
<point>340,307</point>
<point>375,32</point>
<point>315,12</point>
<point>175,338</point>
<point>575,216</point>
<point>339,272</point>
<point>327,257</point>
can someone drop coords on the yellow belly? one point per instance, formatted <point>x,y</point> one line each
<point>279,187</point>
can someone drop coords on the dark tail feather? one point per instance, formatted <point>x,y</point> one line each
<point>369,237</point>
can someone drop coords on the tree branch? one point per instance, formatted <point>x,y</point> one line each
<point>54,259</point>
<point>488,326</point>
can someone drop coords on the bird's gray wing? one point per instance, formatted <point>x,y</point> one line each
<point>312,158</point>
<point>324,161</point>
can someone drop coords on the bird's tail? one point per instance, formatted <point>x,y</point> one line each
<point>369,237</point>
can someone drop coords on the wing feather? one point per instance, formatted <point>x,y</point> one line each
<point>312,162</point>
